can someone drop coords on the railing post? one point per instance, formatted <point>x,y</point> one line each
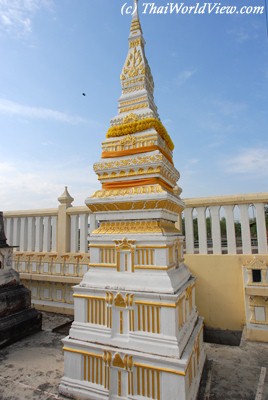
<point>9,230</point>
<point>202,230</point>
<point>31,234</point>
<point>47,234</point>
<point>216,229</point>
<point>74,233</point>
<point>189,230</point>
<point>230,229</point>
<point>245,231</point>
<point>39,234</point>
<point>261,228</point>
<point>84,233</point>
<point>63,234</point>
<point>16,232</point>
<point>23,234</point>
<point>53,233</point>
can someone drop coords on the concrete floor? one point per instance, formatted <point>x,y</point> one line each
<point>32,368</point>
<point>233,373</point>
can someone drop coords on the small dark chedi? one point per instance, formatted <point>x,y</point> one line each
<point>17,318</point>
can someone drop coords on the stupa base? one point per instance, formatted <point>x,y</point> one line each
<point>97,372</point>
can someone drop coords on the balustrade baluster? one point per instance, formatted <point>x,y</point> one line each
<point>245,231</point>
<point>74,233</point>
<point>31,234</point>
<point>216,229</point>
<point>261,228</point>
<point>9,231</point>
<point>84,233</point>
<point>39,234</point>
<point>47,235</point>
<point>189,230</point>
<point>16,232</point>
<point>202,230</point>
<point>54,233</point>
<point>230,229</point>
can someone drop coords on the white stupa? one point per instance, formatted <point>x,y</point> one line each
<point>136,332</point>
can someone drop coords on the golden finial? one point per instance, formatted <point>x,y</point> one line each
<point>135,24</point>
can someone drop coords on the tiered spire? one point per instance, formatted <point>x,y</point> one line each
<point>137,152</point>
<point>135,28</point>
<point>136,78</point>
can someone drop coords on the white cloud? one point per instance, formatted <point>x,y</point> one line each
<point>212,122</point>
<point>244,33</point>
<point>190,168</point>
<point>47,143</point>
<point>12,108</point>
<point>167,121</point>
<point>38,186</point>
<point>16,16</point>
<point>6,167</point>
<point>230,108</point>
<point>221,117</point>
<point>241,35</point>
<point>249,161</point>
<point>184,76</point>
<point>216,141</point>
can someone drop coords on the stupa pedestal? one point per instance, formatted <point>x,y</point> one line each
<point>17,318</point>
<point>136,332</point>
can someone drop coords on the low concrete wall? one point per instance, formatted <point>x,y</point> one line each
<point>219,289</point>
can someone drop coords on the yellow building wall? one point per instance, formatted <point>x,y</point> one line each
<point>219,289</point>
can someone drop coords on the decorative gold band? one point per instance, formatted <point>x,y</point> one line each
<point>137,182</point>
<point>145,149</point>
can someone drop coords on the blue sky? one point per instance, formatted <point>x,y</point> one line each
<point>211,89</point>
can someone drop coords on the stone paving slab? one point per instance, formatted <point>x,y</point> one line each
<point>32,368</point>
<point>235,371</point>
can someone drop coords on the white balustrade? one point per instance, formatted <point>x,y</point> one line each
<point>41,230</point>
<point>37,232</point>
<point>54,242</point>
<point>236,214</point>
<point>79,232</point>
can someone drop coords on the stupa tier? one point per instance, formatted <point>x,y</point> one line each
<point>136,332</point>
<point>136,170</point>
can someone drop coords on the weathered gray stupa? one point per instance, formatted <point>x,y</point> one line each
<point>17,318</point>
